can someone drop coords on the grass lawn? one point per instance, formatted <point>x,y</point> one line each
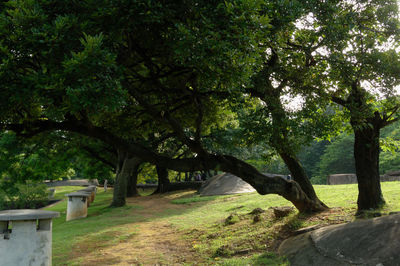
<point>202,221</point>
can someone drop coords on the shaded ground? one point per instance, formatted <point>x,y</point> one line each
<point>148,243</point>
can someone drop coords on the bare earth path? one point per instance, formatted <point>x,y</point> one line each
<point>152,242</point>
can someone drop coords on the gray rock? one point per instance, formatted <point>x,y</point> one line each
<point>368,242</point>
<point>225,184</point>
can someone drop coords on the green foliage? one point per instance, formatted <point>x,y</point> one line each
<point>338,157</point>
<point>24,196</point>
<point>310,157</point>
<point>4,201</point>
<point>30,196</point>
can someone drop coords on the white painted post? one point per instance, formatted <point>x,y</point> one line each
<point>29,242</point>
<point>77,205</point>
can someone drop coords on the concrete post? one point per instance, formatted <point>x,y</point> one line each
<point>91,191</point>
<point>52,192</point>
<point>89,196</point>
<point>94,188</point>
<point>77,205</point>
<point>105,185</point>
<point>29,242</point>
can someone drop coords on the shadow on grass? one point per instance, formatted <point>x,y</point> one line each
<point>103,227</point>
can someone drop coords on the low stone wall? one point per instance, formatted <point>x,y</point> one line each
<point>339,179</point>
<point>73,182</point>
<point>387,177</point>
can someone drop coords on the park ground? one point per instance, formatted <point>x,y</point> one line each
<point>181,228</point>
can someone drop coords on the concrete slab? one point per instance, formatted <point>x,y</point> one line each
<point>27,214</point>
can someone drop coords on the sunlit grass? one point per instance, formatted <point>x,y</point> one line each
<point>245,242</point>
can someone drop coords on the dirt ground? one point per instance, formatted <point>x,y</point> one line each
<point>153,242</point>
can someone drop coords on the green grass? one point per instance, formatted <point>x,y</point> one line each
<point>203,223</point>
<point>100,226</point>
<point>194,198</point>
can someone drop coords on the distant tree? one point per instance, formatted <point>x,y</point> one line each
<point>310,156</point>
<point>338,157</point>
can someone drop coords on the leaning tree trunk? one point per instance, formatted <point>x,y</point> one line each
<point>132,190</point>
<point>163,181</point>
<point>299,175</point>
<point>124,170</point>
<point>269,184</point>
<point>280,139</point>
<point>366,155</point>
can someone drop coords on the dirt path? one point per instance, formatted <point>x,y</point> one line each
<point>154,242</point>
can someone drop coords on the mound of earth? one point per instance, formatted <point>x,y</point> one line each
<point>368,242</point>
<point>225,184</point>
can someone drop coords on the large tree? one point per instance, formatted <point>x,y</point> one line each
<point>358,48</point>
<point>110,69</point>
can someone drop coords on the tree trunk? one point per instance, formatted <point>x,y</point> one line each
<point>281,142</point>
<point>299,175</point>
<point>366,155</point>
<point>264,184</point>
<point>270,184</point>
<point>186,176</point>
<point>124,169</point>
<point>163,181</point>
<point>132,180</point>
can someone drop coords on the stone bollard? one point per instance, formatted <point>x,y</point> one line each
<point>77,205</point>
<point>29,242</point>
<point>94,188</point>
<point>105,185</point>
<point>91,191</point>
<point>52,192</point>
<point>88,195</point>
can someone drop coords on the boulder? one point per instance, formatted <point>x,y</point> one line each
<point>368,242</point>
<point>225,184</point>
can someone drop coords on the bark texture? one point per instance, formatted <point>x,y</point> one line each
<point>366,125</point>
<point>125,167</point>
<point>299,175</point>
<point>163,181</point>
<point>366,155</point>
<point>132,190</point>
<point>280,138</point>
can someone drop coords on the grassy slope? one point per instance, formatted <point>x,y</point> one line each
<point>100,224</point>
<point>204,224</point>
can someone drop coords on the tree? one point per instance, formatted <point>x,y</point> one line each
<point>288,66</point>
<point>363,67</point>
<point>120,72</point>
<point>338,157</point>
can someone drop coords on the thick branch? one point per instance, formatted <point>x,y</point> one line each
<point>96,156</point>
<point>264,184</point>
